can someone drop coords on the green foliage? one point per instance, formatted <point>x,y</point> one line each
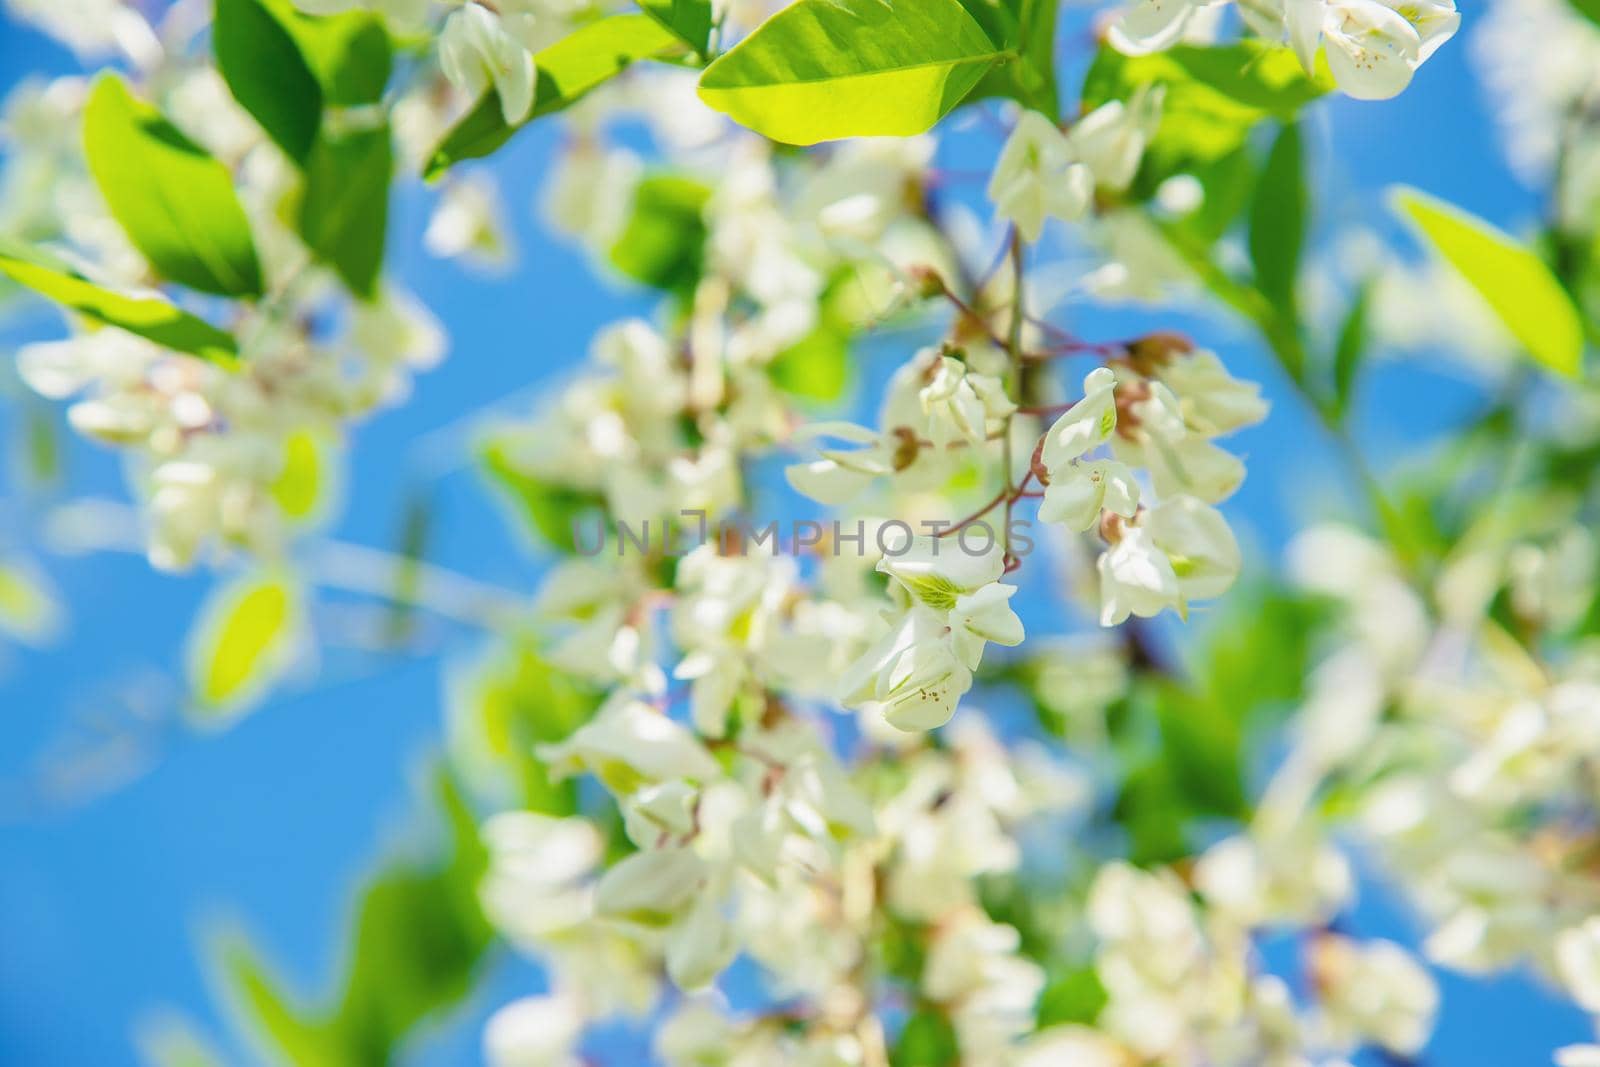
<point>551,510</point>
<point>566,71</point>
<point>663,242</point>
<point>149,317</point>
<point>239,644</point>
<point>519,701</point>
<point>1214,97</point>
<point>689,21</point>
<point>927,1040</point>
<point>1589,9</point>
<point>1073,995</point>
<point>820,70</point>
<point>262,64</point>
<point>1278,220</point>
<point>1183,739</point>
<point>349,53</point>
<point>1349,351</point>
<point>419,936</point>
<point>174,200</point>
<point>1512,280</point>
<point>299,485</point>
<point>1027,28</point>
<point>345,208</point>
<point>817,367</point>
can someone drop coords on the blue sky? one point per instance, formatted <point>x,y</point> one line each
<point>103,898</point>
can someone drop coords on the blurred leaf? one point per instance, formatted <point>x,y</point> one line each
<point>551,510</point>
<point>1073,995</point>
<point>418,938</point>
<point>663,242</point>
<point>928,1040</point>
<point>1513,281</point>
<point>176,202</point>
<point>262,64</point>
<point>150,317</point>
<point>817,367</point>
<point>1589,9</point>
<point>1278,220</point>
<point>689,20</point>
<point>821,70</point>
<point>566,70</point>
<point>1349,351</point>
<point>240,643</point>
<point>345,210</point>
<point>1214,97</point>
<point>519,701</point>
<point>350,53</point>
<point>298,487</point>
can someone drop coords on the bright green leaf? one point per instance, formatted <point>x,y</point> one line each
<point>820,70</point>
<point>176,202</point>
<point>241,642</point>
<point>345,209</point>
<point>1589,9</point>
<point>566,71</point>
<point>1513,281</point>
<point>927,1040</point>
<point>262,64</point>
<point>689,20</point>
<point>298,487</point>
<point>350,53</point>
<point>148,316</point>
<point>1278,220</point>
<point>662,244</point>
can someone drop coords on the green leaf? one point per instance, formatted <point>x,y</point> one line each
<point>663,242</point>
<point>1027,27</point>
<point>1513,281</point>
<point>818,366</point>
<point>1349,351</point>
<point>345,209</point>
<point>928,1040</point>
<point>1074,995</point>
<point>1213,98</point>
<point>350,53</point>
<point>521,700</point>
<point>565,71</point>
<point>298,487</point>
<point>150,317</point>
<point>1278,220</point>
<point>1589,9</point>
<point>176,202</point>
<point>240,644</point>
<point>689,20</point>
<point>820,70</point>
<point>262,64</point>
<point>551,510</point>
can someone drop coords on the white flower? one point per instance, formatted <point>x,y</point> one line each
<point>1372,49</point>
<point>1037,177</point>
<point>1578,963</point>
<point>1077,494</point>
<point>959,402</point>
<point>651,888</point>
<point>1087,425</point>
<point>1136,578</point>
<point>476,51</point>
<point>1373,992</point>
<point>1212,401</point>
<point>469,222</point>
<point>913,672</point>
<point>629,744</point>
<point>841,474</point>
<point>1111,139</point>
<point>1153,25</point>
<point>534,1032</point>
